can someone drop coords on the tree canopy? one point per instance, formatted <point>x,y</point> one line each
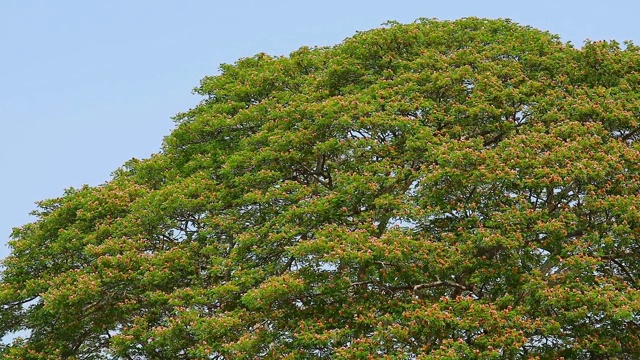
<point>436,190</point>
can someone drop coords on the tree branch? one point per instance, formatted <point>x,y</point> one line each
<point>439,283</point>
<point>622,267</point>
<point>630,134</point>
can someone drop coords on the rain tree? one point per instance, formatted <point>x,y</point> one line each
<point>435,190</point>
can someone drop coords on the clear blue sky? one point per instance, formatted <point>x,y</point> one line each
<point>87,85</point>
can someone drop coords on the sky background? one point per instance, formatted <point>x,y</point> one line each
<point>87,85</point>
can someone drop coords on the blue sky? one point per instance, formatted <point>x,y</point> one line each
<point>87,85</point>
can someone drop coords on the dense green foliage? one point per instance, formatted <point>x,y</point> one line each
<point>436,190</point>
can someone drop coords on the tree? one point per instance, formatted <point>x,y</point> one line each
<point>437,190</point>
